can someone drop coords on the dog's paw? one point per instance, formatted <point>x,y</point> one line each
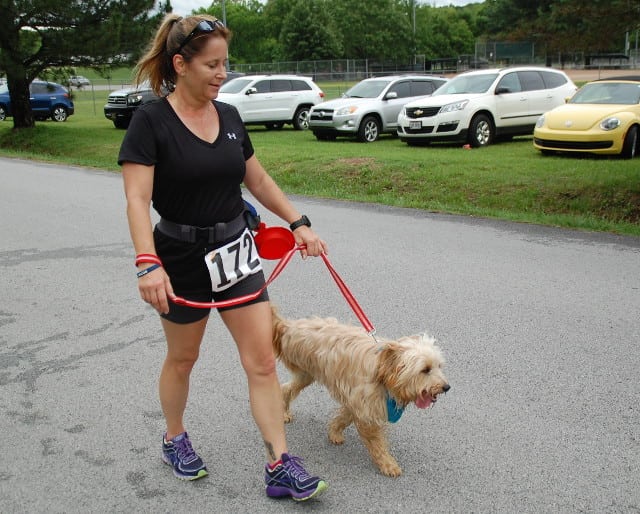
<point>336,438</point>
<point>390,469</point>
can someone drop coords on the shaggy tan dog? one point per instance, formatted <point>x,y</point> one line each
<point>372,383</point>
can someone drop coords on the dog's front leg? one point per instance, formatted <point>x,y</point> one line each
<point>338,424</point>
<point>375,440</point>
<point>291,390</point>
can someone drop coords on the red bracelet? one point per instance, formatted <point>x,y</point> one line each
<point>148,258</point>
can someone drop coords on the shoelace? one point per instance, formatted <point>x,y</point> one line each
<point>294,466</point>
<point>186,452</point>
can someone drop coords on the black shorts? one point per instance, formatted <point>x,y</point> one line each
<point>185,265</point>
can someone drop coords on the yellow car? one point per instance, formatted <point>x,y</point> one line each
<point>603,117</point>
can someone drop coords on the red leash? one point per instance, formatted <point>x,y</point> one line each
<point>274,274</point>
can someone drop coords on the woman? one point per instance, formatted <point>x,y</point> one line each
<point>187,155</point>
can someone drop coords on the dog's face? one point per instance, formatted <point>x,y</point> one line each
<point>411,370</point>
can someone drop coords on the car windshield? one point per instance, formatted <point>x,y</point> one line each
<point>464,84</point>
<point>235,85</point>
<point>625,93</point>
<point>367,89</point>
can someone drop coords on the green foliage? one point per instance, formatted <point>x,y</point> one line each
<point>308,33</point>
<point>563,25</point>
<point>442,32</point>
<point>374,30</point>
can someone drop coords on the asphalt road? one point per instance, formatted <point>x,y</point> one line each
<point>540,327</point>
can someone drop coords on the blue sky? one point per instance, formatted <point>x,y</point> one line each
<point>186,6</point>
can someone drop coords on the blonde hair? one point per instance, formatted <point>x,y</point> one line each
<point>156,65</point>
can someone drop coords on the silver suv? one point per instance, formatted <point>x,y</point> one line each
<point>479,106</point>
<point>371,107</point>
<point>272,100</point>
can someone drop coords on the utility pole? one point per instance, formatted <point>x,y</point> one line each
<point>413,5</point>
<point>224,22</point>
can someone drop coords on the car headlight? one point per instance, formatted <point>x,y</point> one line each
<point>134,99</point>
<point>540,122</point>
<point>610,123</point>
<point>455,106</point>
<point>343,111</point>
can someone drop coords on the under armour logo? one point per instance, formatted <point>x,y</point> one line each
<point>231,135</point>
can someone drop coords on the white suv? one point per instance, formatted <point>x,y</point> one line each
<point>479,106</point>
<point>370,107</point>
<point>272,100</point>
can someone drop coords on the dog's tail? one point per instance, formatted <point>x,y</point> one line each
<point>278,330</point>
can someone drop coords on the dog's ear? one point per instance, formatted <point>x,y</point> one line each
<point>390,365</point>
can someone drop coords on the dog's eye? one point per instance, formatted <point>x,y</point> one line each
<point>427,370</point>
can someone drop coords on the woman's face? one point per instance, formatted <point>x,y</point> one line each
<point>206,72</point>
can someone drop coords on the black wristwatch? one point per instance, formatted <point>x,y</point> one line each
<point>298,223</point>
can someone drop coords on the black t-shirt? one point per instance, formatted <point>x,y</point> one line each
<point>195,182</point>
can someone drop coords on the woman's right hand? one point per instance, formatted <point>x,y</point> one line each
<point>155,288</point>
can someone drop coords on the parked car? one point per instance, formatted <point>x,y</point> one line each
<point>48,100</point>
<point>603,117</point>
<point>79,81</point>
<point>479,106</point>
<point>272,100</point>
<point>122,104</point>
<point>370,108</point>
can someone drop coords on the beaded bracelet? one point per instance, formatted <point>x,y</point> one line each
<point>143,272</point>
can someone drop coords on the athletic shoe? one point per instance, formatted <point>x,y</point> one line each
<point>290,479</point>
<point>179,454</point>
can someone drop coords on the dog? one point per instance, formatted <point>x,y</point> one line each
<point>373,383</point>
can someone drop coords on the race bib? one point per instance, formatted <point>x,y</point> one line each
<point>233,262</point>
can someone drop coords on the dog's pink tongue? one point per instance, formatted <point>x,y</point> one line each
<point>424,401</point>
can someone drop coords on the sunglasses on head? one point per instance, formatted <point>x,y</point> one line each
<point>204,27</point>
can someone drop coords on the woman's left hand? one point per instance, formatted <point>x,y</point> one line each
<point>314,245</point>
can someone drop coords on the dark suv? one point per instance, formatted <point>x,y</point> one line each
<point>121,104</point>
<point>48,100</point>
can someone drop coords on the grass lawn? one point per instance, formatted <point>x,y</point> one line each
<point>509,180</point>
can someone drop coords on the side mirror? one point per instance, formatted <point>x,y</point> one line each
<point>251,91</point>
<point>391,95</point>
<point>500,90</point>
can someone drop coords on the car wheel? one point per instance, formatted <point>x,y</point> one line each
<point>481,131</point>
<point>121,123</point>
<point>59,113</point>
<point>369,130</point>
<point>3,113</point>
<point>301,118</point>
<point>630,145</point>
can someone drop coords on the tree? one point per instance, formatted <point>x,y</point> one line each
<point>563,25</point>
<point>39,34</point>
<point>307,32</point>
<point>443,32</point>
<point>374,30</point>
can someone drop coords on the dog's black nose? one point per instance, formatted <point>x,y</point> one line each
<point>446,387</point>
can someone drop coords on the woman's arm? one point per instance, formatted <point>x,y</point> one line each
<point>267,192</point>
<point>155,286</point>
